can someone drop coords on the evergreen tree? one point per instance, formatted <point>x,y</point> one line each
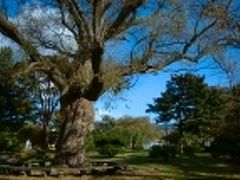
<point>16,102</point>
<point>227,137</point>
<point>191,105</point>
<point>182,102</point>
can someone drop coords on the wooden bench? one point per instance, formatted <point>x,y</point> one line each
<point>33,168</point>
<point>111,164</point>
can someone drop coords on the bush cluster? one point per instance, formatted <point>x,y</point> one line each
<point>164,151</point>
<point>221,147</point>
<point>190,144</point>
<point>9,142</point>
<point>108,146</point>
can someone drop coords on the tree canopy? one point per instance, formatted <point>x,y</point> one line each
<point>16,103</point>
<point>189,103</point>
<point>79,57</point>
<point>130,133</point>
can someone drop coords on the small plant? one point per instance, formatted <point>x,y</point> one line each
<point>9,142</point>
<point>109,150</point>
<point>223,147</point>
<point>165,151</point>
<point>108,146</point>
<point>190,144</point>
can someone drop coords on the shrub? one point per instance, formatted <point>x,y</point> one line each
<point>90,146</point>
<point>190,144</point>
<point>109,150</point>
<point>34,133</point>
<point>172,138</point>
<point>108,146</point>
<point>164,151</point>
<point>222,146</point>
<point>155,151</point>
<point>9,141</point>
<point>171,149</point>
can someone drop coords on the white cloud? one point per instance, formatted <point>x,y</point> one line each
<point>100,113</point>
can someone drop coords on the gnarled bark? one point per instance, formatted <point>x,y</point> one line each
<point>77,123</point>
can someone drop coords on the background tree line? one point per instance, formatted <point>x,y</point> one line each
<point>29,110</point>
<point>28,106</point>
<point>112,136</point>
<point>204,117</point>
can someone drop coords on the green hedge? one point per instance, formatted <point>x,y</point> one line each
<point>165,151</point>
<point>108,146</point>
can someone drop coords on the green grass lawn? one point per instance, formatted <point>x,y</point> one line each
<point>140,166</point>
<point>181,167</point>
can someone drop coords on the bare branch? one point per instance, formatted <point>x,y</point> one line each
<point>79,19</point>
<point>10,30</point>
<point>196,36</point>
<point>122,21</point>
<point>146,68</point>
<point>65,23</point>
<point>53,46</point>
<point>46,67</point>
<point>106,5</point>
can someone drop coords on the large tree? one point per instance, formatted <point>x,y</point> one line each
<point>16,103</point>
<point>182,102</point>
<point>88,47</point>
<point>226,139</point>
<point>191,105</point>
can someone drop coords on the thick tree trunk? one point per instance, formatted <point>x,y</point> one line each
<point>77,123</point>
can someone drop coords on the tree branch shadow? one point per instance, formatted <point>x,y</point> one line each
<point>192,167</point>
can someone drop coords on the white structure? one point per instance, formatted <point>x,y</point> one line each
<point>28,145</point>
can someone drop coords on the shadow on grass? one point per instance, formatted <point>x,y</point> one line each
<point>191,167</point>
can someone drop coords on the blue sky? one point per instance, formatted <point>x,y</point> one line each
<point>134,102</point>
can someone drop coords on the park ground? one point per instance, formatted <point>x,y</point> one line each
<point>200,166</point>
